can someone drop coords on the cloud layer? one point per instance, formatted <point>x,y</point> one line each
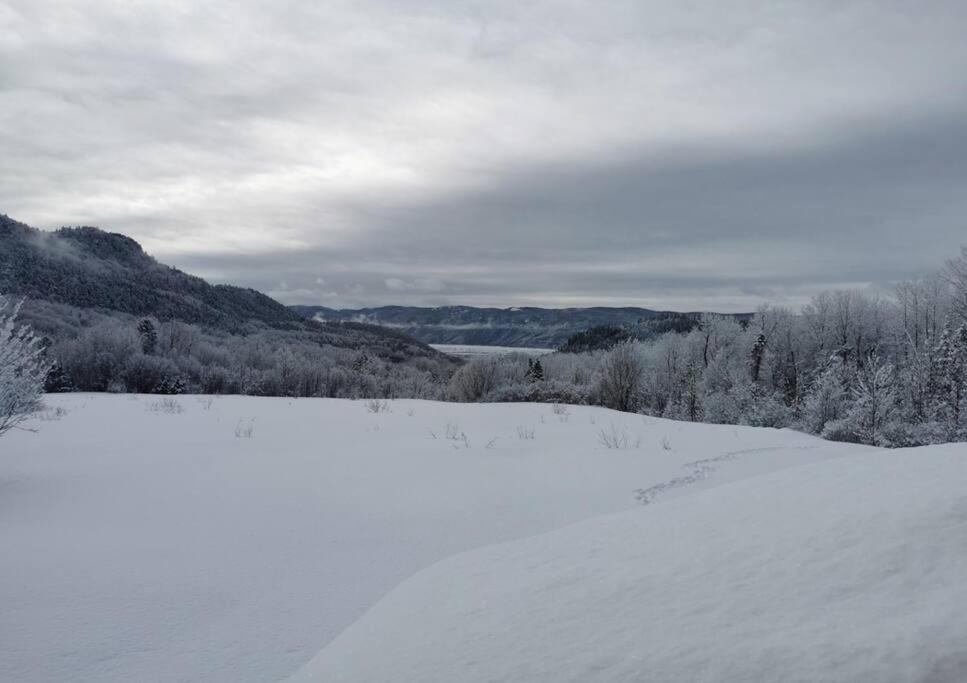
<point>710,154</point>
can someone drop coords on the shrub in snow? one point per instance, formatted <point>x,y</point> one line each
<point>376,406</point>
<point>616,438</point>
<point>169,406</point>
<point>622,378</point>
<point>474,380</point>
<point>145,374</point>
<point>550,391</point>
<point>53,414</point>
<point>23,368</point>
<point>245,428</point>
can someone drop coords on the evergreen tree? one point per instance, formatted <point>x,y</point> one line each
<point>537,371</point>
<point>758,351</point>
<point>57,380</point>
<point>148,336</point>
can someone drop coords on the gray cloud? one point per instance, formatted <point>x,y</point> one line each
<point>679,155</point>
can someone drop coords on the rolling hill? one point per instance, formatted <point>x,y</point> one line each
<point>87,269</point>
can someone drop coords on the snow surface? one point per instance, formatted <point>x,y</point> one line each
<point>140,544</point>
<point>846,570</point>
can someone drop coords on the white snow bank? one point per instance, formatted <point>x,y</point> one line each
<point>852,569</point>
<point>142,539</point>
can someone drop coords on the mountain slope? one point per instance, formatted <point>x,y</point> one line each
<point>87,268</point>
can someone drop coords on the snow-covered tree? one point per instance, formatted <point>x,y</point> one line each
<point>873,409</point>
<point>23,368</point>
<point>621,379</point>
<point>956,274</point>
<point>948,380</point>
<point>826,399</point>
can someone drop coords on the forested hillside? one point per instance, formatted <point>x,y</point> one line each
<point>117,320</point>
<point>90,268</point>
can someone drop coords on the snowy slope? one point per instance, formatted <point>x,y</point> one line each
<point>144,545</point>
<point>847,570</point>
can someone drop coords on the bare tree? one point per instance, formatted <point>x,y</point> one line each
<point>22,368</point>
<point>622,378</point>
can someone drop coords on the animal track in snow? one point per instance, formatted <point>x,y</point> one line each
<point>701,469</point>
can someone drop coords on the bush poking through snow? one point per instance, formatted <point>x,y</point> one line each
<point>454,433</point>
<point>168,406</point>
<point>666,445</point>
<point>245,428</point>
<point>23,368</point>
<point>53,414</point>
<point>525,433</point>
<point>377,406</point>
<point>616,438</point>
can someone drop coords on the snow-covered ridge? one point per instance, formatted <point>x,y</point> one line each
<point>848,570</point>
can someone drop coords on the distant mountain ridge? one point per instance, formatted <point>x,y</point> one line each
<point>519,326</point>
<point>87,268</point>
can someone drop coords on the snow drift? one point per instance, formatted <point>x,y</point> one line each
<point>853,569</point>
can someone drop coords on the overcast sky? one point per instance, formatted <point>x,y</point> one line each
<point>677,154</point>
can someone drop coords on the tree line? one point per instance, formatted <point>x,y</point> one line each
<point>850,366</point>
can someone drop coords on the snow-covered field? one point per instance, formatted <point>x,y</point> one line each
<point>235,539</point>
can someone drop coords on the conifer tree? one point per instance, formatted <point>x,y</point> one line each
<point>148,336</point>
<point>537,371</point>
